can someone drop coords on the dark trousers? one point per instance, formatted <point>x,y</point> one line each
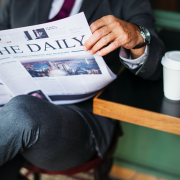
<point>49,136</point>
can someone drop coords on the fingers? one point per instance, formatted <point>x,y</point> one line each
<point>99,29</point>
<point>102,42</point>
<point>110,29</point>
<point>98,34</point>
<point>111,47</point>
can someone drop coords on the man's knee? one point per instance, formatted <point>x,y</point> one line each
<point>17,112</point>
<point>18,124</point>
<point>21,100</point>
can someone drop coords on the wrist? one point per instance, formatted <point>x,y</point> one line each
<point>140,39</point>
<point>145,35</point>
<point>136,53</point>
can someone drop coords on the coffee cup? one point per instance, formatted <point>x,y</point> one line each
<point>171,75</point>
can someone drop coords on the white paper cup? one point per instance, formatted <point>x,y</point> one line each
<point>171,74</point>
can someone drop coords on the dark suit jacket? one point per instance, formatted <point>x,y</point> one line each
<point>19,13</point>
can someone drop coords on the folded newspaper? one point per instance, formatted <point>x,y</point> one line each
<point>48,61</point>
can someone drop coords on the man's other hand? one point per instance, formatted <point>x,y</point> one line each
<point>109,33</point>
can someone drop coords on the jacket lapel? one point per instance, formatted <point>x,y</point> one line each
<point>89,6</point>
<point>44,6</point>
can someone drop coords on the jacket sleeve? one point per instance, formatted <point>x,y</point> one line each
<point>140,12</point>
<point>5,15</point>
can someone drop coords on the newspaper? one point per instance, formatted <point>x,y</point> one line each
<point>48,61</point>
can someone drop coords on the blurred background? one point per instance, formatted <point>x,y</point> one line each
<point>167,5</point>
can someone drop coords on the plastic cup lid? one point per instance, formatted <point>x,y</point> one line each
<point>171,60</point>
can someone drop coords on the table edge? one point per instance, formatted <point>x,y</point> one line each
<point>137,116</point>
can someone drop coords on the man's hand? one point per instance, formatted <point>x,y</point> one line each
<point>109,33</point>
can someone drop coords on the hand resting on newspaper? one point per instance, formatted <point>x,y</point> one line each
<point>109,33</point>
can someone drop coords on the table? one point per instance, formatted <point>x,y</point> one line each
<point>131,99</point>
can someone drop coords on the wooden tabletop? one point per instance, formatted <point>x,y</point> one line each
<point>137,101</point>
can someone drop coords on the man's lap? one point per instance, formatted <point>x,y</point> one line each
<point>52,137</point>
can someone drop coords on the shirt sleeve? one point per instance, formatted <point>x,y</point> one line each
<point>125,55</point>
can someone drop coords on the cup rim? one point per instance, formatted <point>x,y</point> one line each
<point>170,63</point>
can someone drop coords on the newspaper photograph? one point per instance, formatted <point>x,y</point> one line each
<point>48,61</point>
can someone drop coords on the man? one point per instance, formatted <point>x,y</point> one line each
<point>61,137</point>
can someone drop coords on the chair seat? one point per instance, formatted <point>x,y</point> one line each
<point>94,163</point>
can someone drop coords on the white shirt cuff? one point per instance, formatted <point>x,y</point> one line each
<point>125,55</point>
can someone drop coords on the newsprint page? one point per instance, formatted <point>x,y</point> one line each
<point>48,61</point>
